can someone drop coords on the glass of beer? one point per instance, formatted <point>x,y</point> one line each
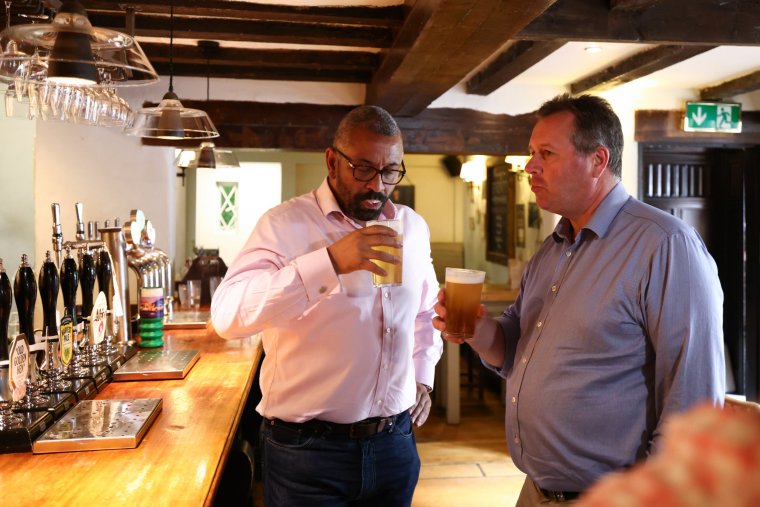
<point>394,270</point>
<point>463,288</point>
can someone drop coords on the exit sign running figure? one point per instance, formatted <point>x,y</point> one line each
<point>712,117</point>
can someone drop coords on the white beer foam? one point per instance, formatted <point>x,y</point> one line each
<point>458,275</point>
<point>396,225</point>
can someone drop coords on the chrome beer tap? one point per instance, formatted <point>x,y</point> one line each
<point>49,285</point>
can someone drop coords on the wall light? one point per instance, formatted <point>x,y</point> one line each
<point>474,170</point>
<point>518,162</point>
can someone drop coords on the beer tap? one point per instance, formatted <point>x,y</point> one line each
<point>105,285</point>
<point>49,284</point>
<point>87,276</point>
<point>57,231</point>
<point>25,294</point>
<point>5,310</point>
<point>69,284</point>
<point>49,287</point>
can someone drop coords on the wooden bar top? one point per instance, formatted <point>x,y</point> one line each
<point>181,458</point>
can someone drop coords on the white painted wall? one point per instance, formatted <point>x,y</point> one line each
<point>17,204</point>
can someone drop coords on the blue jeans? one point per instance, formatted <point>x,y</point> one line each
<point>305,468</point>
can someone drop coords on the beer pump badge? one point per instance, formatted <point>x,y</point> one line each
<point>19,367</point>
<point>67,340</point>
<point>98,316</point>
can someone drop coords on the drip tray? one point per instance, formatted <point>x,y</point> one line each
<point>94,425</point>
<point>157,365</point>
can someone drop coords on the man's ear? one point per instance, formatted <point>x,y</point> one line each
<point>600,159</point>
<point>331,160</point>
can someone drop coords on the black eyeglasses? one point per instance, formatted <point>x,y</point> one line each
<point>368,172</point>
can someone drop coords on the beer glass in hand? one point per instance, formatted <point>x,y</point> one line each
<point>394,270</point>
<point>463,288</point>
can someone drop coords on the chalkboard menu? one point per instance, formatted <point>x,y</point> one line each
<point>500,216</point>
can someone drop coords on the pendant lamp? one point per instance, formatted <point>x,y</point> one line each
<point>170,120</point>
<point>75,52</point>
<point>207,156</point>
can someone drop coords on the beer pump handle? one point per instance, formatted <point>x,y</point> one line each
<point>25,294</point>
<point>105,274</point>
<point>69,285</point>
<point>49,287</point>
<point>6,301</point>
<point>55,208</point>
<point>87,274</point>
<point>80,221</point>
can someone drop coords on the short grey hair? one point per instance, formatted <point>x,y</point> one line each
<point>372,118</point>
<point>596,124</point>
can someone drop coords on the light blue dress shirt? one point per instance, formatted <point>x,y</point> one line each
<point>610,334</point>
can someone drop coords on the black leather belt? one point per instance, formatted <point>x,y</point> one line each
<point>361,429</point>
<point>559,496</point>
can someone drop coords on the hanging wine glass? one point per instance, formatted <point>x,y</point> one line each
<point>10,58</point>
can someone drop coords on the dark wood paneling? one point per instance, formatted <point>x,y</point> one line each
<point>657,126</point>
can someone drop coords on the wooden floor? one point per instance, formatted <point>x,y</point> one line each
<point>466,463</point>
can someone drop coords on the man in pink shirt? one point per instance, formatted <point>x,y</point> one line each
<point>348,367</point>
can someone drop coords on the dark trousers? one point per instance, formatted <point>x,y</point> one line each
<point>307,468</point>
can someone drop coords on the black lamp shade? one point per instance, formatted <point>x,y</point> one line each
<point>206,157</point>
<point>71,59</point>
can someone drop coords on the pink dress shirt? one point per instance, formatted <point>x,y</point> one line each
<point>337,349</point>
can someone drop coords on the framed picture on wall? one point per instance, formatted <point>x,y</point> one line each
<point>520,225</point>
<point>403,194</point>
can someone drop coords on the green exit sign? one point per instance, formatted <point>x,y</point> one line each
<point>712,117</point>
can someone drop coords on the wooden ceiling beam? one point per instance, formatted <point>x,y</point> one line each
<point>240,57</point>
<point>665,22</point>
<point>264,72</point>
<point>513,61</point>
<point>639,65</point>
<point>744,84</point>
<point>389,17</point>
<point>310,127</point>
<point>632,5</point>
<point>241,30</point>
<point>441,42</point>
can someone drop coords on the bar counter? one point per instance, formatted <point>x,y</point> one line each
<point>181,458</point>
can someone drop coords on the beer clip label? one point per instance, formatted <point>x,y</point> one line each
<point>98,318</point>
<point>19,367</point>
<point>67,340</point>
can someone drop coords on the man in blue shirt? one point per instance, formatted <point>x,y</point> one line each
<point>618,323</point>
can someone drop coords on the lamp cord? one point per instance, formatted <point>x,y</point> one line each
<point>171,46</point>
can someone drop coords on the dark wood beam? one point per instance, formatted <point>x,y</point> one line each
<point>310,127</point>
<point>743,84</point>
<point>242,30</point>
<point>280,64</point>
<point>639,65</point>
<point>665,22</point>
<point>301,58</point>
<point>632,5</point>
<point>655,126</point>
<point>390,17</point>
<point>516,59</point>
<point>453,37</point>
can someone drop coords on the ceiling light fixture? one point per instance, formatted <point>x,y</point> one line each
<point>207,156</point>
<point>593,49</point>
<point>170,121</point>
<point>75,52</point>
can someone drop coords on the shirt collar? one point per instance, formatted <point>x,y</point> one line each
<point>601,219</point>
<point>329,205</point>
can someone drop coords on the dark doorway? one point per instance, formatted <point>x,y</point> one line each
<point>717,191</point>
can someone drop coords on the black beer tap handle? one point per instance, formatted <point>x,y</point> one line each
<point>6,301</point>
<point>25,294</point>
<point>69,285</point>
<point>105,273</point>
<point>87,276</point>
<point>49,288</point>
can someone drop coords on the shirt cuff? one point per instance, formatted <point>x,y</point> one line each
<point>317,273</point>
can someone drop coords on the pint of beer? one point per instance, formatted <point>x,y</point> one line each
<point>394,270</point>
<point>463,288</point>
